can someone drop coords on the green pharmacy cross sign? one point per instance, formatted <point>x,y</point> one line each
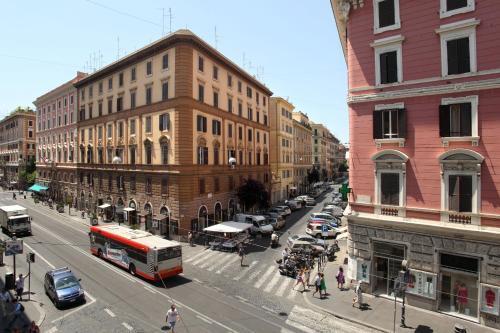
<point>344,190</point>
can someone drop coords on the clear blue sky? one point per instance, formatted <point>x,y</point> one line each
<point>44,43</point>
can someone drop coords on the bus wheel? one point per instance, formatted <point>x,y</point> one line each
<point>131,269</point>
<point>99,253</point>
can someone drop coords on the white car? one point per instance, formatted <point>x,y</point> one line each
<point>316,230</point>
<point>307,199</point>
<point>324,216</point>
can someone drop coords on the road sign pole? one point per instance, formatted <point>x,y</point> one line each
<point>14,262</point>
<point>29,280</point>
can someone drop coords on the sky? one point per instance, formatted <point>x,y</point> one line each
<point>292,46</point>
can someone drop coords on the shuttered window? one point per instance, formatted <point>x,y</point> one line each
<point>389,189</point>
<point>389,124</point>
<point>201,124</point>
<point>455,4</point>
<point>455,120</point>
<point>460,193</point>
<point>389,67</point>
<point>458,56</point>
<point>386,13</point>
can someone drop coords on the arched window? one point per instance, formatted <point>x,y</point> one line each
<point>164,211</point>
<point>202,217</point>
<point>461,185</point>
<point>218,212</point>
<point>148,209</point>
<point>164,143</point>
<point>202,152</point>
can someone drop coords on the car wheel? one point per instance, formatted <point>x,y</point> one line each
<point>57,304</point>
<point>131,269</point>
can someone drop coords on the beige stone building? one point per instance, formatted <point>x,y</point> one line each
<point>157,129</point>
<point>17,145</point>
<point>302,158</point>
<point>319,149</point>
<point>281,145</point>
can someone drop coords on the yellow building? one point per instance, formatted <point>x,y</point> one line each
<point>281,148</point>
<point>302,160</point>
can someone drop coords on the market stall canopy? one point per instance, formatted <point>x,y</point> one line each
<point>38,188</point>
<point>128,209</point>
<point>229,227</point>
<point>106,205</point>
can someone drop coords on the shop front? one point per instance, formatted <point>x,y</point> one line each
<point>387,260</point>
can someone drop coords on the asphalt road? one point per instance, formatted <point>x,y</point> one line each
<point>212,297</point>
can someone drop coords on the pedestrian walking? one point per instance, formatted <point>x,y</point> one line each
<point>358,295</point>
<point>190,238</point>
<point>307,275</point>
<point>319,263</point>
<point>4,300</point>
<point>340,278</point>
<point>322,286</point>
<point>241,253</point>
<point>317,284</point>
<point>172,317</point>
<point>20,286</point>
<point>284,255</point>
<point>300,280</point>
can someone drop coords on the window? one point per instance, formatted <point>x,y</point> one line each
<point>258,117</point>
<point>215,73</point>
<point>386,15</point>
<point>164,154</point>
<point>99,132</point>
<point>148,124</point>
<point>120,129</point>
<point>240,133</point>
<point>100,88</point>
<point>110,106</point>
<point>149,153</point>
<point>132,127</point>
<point>216,127</point>
<point>164,185</point>
<point>200,63</point>
<point>202,155</point>
<point>265,119</point>
<point>388,124</point>
<point>249,158</point>
<point>71,100</point>
<point>119,104</point>
<point>216,155</point>
<point>83,97</point>
<point>164,122</point>
<point>388,60</point>
<point>257,98</point>
<point>149,92</point>
<point>132,74</point>
<point>201,185</point>
<point>229,80</point>
<point>250,113</point>
<point>91,94</point>
<point>249,92</point>
<point>453,7</point>
<point>216,184</point>
<point>265,138</point>
<point>164,91</point>
<point>110,83</point>
<point>120,79</point>
<point>165,61</point>
<point>229,104</point>
<point>460,193</point>
<point>264,100</point>
<point>249,134</point>
<point>240,109</point>
<point>149,185</point>
<point>458,118</point>
<point>201,124</point>
<point>132,155</point>
<point>458,47</point>
<point>99,108</point>
<point>132,183</point>
<point>389,189</point>
<point>258,137</point>
<point>110,131</point>
<point>149,68</point>
<point>239,86</point>
<point>201,93</point>
<point>216,99</point>
<point>132,99</point>
<point>230,130</point>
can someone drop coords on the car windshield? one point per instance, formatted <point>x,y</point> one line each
<point>66,282</point>
<point>295,237</point>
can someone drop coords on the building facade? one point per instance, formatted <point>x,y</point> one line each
<point>17,145</point>
<point>423,96</point>
<point>319,149</point>
<point>56,117</point>
<point>158,128</point>
<point>282,150</point>
<point>302,151</point>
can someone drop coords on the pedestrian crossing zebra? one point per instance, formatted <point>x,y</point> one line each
<point>263,277</point>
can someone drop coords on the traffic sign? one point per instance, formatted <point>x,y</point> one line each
<point>324,230</point>
<point>13,246</point>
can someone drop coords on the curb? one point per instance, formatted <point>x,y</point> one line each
<point>41,312</point>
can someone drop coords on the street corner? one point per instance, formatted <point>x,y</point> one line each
<point>35,311</point>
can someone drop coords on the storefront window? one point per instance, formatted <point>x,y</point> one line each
<point>387,259</point>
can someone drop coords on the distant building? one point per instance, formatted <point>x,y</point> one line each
<point>302,151</point>
<point>17,145</point>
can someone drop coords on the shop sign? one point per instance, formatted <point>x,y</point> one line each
<point>363,271</point>
<point>490,299</point>
<point>13,247</point>
<point>422,283</point>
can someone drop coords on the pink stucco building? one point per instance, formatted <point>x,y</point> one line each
<point>424,91</point>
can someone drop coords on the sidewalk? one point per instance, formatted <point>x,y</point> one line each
<point>379,314</point>
<point>32,309</point>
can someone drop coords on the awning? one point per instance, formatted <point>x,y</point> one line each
<point>106,205</point>
<point>38,188</point>
<point>128,209</point>
<point>229,227</point>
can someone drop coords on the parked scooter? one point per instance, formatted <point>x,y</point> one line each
<point>330,251</point>
<point>275,240</point>
<point>288,268</point>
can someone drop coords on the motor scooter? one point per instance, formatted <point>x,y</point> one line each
<point>275,240</point>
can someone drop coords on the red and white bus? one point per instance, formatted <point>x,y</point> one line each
<point>138,251</point>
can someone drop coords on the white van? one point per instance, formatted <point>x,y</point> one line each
<point>259,223</point>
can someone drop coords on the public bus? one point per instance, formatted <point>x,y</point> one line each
<point>138,251</point>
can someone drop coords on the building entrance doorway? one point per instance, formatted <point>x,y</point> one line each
<point>387,260</point>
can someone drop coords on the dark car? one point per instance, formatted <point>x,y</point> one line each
<point>63,287</point>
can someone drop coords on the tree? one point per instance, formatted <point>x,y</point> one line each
<point>313,176</point>
<point>251,193</point>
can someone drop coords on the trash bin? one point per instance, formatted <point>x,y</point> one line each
<point>459,329</point>
<point>10,281</point>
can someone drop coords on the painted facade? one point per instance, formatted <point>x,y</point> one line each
<point>302,159</point>
<point>424,85</point>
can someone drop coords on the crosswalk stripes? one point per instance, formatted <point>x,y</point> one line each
<point>264,277</point>
<point>207,255</point>
<point>223,259</point>
<point>276,278</point>
<point>284,286</point>
<point>253,275</point>
<point>245,270</point>
<point>195,256</point>
<point>213,259</point>
<point>227,264</point>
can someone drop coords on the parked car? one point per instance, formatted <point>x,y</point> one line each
<point>295,204</point>
<point>286,209</point>
<point>309,201</point>
<point>333,210</point>
<point>333,223</point>
<point>316,230</point>
<point>303,246</point>
<point>63,287</point>
<point>275,220</point>
<point>278,211</point>
<point>325,216</point>
<point>259,223</point>
<point>304,238</point>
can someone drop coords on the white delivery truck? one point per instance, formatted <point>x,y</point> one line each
<point>259,223</point>
<point>15,220</point>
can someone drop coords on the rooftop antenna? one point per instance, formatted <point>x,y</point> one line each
<point>216,38</point>
<point>170,17</point>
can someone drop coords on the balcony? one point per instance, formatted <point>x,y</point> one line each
<point>388,210</point>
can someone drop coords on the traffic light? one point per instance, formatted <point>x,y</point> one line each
<point>31,257</point>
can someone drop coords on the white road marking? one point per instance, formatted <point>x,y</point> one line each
<point>268,309</point>
<point>52,330</point>
<point>227,264</point>
<point>207,255</point>
<point>212,262</point>
<point>39,256</point>
<point>242,299</point>
<point>283,287</point>
<point>245,271</point>
<point>252,276</point>
<point>272,283</point>
<point>92,301</point>
<point>196,280</point>
<point>151,290</point>
<point>264,277</point>
<point>299,326</point>
<point>313,321</point>
<point>111,314</point>
<point>127,326</point>
<point>195,256</point>
<point>204,319</point>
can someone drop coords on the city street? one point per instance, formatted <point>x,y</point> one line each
<point>214,294</point>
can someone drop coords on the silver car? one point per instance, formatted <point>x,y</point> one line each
<point>286,209</point>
